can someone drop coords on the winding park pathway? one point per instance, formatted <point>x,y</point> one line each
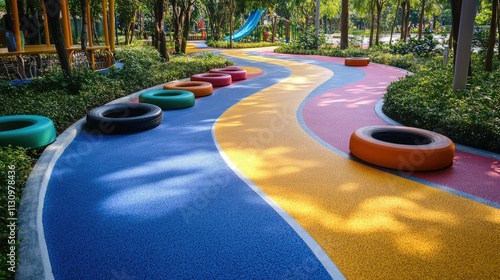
<point>256,182</point>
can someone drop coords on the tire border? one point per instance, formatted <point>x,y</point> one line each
<point>198,88</point>
<point>39,133</point>
<point>96,121</point>
<point>168,98</point>
<point>436,155</point>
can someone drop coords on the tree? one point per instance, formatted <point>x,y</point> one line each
<point>492,36</point>
<point>127,10</point>
<point>53,9</point>
<point>217,12</point>
<point>160,40</point>
<point>84,34</point>
<point>344,26</point>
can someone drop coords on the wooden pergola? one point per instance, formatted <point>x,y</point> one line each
<point>48,48</point>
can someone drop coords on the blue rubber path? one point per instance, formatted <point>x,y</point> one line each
<point>163,204</point>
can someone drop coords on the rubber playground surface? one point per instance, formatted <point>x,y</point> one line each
<point>256,182</point>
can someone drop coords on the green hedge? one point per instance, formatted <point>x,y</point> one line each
<point>427,100</point>
<point>238,45</point>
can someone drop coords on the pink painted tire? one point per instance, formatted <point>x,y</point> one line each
<point>216,79</point>
<point>237,73</point>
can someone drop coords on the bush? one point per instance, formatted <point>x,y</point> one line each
<point>423,47</point>
<point>15,165</point>
<point>427,100</point>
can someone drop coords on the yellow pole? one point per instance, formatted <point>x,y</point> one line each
<point>17,28</point>
<point>105,22</point>
<point>89,25</point>
<point>68,16</point>
<point>65,21</point>
<point>112,23</point>
<point>45,25</point>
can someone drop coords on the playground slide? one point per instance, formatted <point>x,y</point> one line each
<point>249,26</point>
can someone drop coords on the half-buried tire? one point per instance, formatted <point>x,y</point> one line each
<point>402,148</point>
<point>28,131</point>
<point>199,88</point>
<point>168,99</point>
<point>124,118</point>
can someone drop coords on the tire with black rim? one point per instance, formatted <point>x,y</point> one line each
<point>28,131</point>
<point>402,148</point>
<point>124,118</point>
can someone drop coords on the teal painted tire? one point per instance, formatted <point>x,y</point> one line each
<point>168,99</point>
<point>28,131</point>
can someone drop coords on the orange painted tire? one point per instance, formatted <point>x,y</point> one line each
<point>237,73</point>
<point>198,88</point>
<point>402,148</point>
<point>357,61</point>
<point>216,79</point>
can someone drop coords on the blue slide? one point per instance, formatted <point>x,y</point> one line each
<point>249,26</point>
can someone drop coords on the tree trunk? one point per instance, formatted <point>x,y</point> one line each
<point>344,37</point>
<point>231,23</point>
<point>160,40</point>
<point>492,38</point>
<point>185,29</point>
<point>372,25</point>
<point>421,24</point>
<point>84,35</point>
<point>456,7</point>
<point>379,15</point>
<point>394,22</point>
<point>403,21</point>
<point>53,14</point>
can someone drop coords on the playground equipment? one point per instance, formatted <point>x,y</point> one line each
<point>252,22</point>
<point>236,72</point>
<point>357,61</point>
<point>198,88</point>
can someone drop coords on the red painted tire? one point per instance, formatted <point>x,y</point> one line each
<point>216,79</point>
<point>199,88</point>
<point>236,73</point>
<point>357,61</point>
<point>402,148</point>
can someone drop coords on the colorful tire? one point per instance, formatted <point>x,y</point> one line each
<point>216,79</point>
<point>168,99</point>
<point>357,61</point>
<point>198,88</point>
<point>402,148</point>
<point>28,131</point>
<point>124,118</point>
<point>237,73</point>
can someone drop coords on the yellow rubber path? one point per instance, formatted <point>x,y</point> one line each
<point>373,225</point>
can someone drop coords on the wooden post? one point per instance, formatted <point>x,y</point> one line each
<point>45,25</point>
<point>112,24</point>
<point>65,23</point>
<point>89,25</point>
<point>17,28</point>
<point>105,22</point>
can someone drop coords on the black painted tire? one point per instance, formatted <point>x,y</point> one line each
<point>28,131</point>
<point>402,148</point>
<point>168,99</point>
<point>124,118</point>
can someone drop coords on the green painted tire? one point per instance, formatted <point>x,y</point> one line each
<point>168,99</point>
<point>28,131</point>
